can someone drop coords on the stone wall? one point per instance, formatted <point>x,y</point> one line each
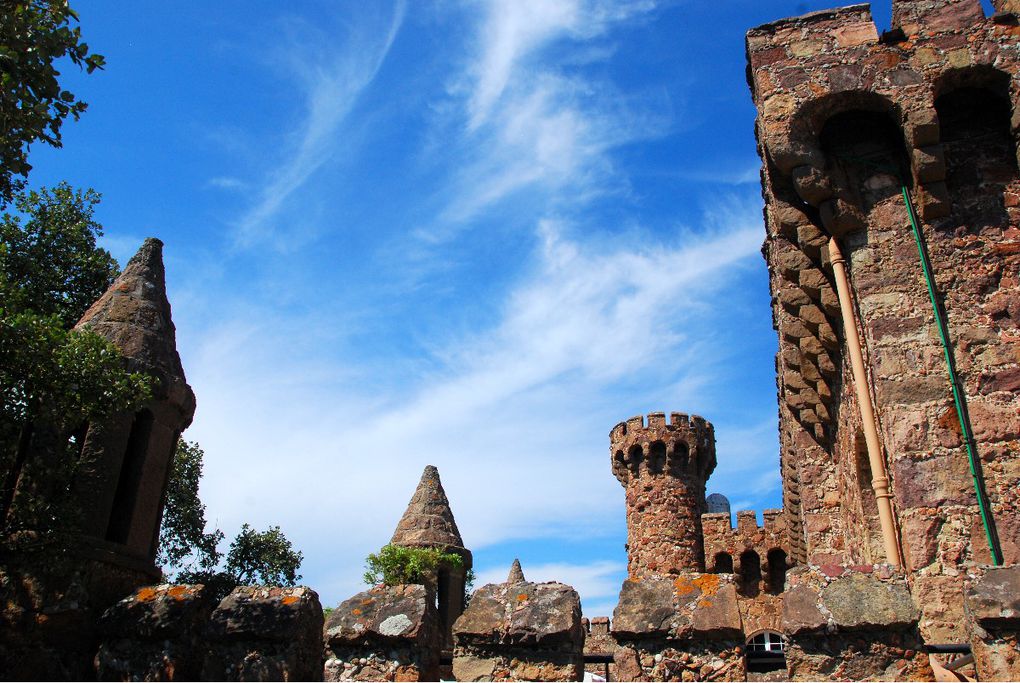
<point>388,633</point>
<point>155,634</point>
<point>260,633</point>
<point>520,632</point>
<point>685,627</point>
<point>663,467</point>
<point>852,624</point>
<point>844,115</point>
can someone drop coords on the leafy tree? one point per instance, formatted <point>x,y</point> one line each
<point>34,36</point>
<point>53,379</point>
<point>183,542</point>
<point>190,555</point>
<point>49,261</point>
<point>263,557</point>
<point>394,565</point>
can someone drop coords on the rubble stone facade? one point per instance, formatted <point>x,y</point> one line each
<point>851,125</point>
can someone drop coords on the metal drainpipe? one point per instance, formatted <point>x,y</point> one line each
<point>879,475</point>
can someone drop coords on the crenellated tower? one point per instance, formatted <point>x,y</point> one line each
<point>664,466</point>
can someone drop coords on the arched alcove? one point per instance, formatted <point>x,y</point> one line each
<point>634,457</point>
<point>974,110</point>
<point>776,560</point>
<point>656,457</point>
<point>750,574</point>
<point>722,563</point>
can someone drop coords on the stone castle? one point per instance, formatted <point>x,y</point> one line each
<point>892,213</point>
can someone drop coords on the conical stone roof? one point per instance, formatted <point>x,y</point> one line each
<point>134,314</point>
<point>516,573</point>
<point>428,520</point>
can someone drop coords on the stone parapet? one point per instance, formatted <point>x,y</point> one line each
<point>685,627</point>
<point>260,633</point>
<point>993,611</point>
<point>852,624</point>
<point>520,632</point>
<point>155,634</point>
<point>388,633</point>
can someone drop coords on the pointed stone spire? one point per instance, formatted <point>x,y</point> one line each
<point>516,573</point>
<point>428,520</point>
<point>134,314</point>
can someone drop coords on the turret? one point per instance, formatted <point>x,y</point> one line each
<point>663,467</point>
<point>428,523</point>
<point>126,459</point>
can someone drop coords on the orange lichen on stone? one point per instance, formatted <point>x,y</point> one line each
<point>684,586</point>
<point>522,597</point>
<point>356,612</point>
<point>708,583</point>
<point>179,592</point>
<point>290,599</point>
<point>146,594</point>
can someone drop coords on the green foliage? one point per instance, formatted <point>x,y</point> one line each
<point>394,565</point>
<point>183,542</point>
<point>53,380</point>
<point>49,261</point>
<point>190,555</point>
<point>264,558</point>
<point>34,35</point>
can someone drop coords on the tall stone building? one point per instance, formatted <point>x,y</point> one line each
<point>892,212</point>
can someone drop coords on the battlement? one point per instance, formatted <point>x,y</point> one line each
<point>683,446</point>
<point>726,545</point>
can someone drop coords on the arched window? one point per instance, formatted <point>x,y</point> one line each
<point>656,457</point>
<point>777,570</point>
<point>722,564</point>
<point>865,155</point>
<point>766,651</point>
<point>679,458</point>
<point>634,457</point>
<point>750,573</point>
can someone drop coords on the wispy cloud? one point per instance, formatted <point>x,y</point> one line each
<point>530,120</point>
<point>331,83</point>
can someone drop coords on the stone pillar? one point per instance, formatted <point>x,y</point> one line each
<point>849,625</point>
<point>664,468</point>
<point>259,633</point>
<point>155,634</point>
<point>683,627</point>
<point>389,633</point>
<point>520,632</point>
<point>993,611</point>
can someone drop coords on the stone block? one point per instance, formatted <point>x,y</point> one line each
<point>388,633</point>
<point>671,627</point>
<point>993,611</point>
<point>155,634</point>
<point>520,632</point>
<point>261,633</point>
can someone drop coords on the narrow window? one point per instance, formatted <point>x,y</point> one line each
<point>777,570</point>
<point>132,467</point>
<point>656,457</point>
<point>750,573</point>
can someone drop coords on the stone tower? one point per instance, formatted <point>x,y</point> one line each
<point>129,457</point>
<point>428,523</point>
<point>664,467</point>
<point>882,151</point>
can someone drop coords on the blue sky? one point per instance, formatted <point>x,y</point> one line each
<point>469,234</point>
